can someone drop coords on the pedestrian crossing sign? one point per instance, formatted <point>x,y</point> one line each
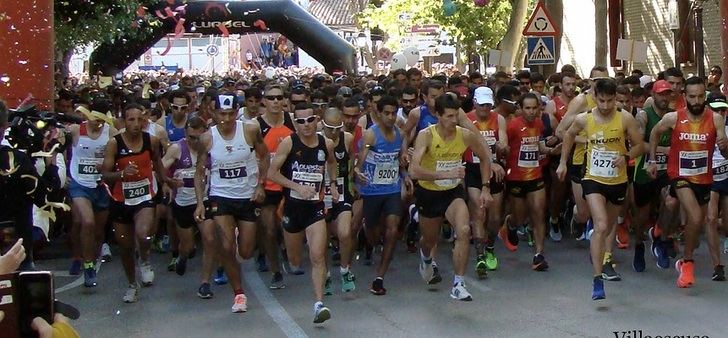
<point>541,50</point>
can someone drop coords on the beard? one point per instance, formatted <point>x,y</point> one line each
<point>696,109</point>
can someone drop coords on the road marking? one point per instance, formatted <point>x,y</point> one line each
<point>78,282</point>
<point>289,326</point>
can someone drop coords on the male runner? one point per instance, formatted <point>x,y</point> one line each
<point>492,127</point>
<point>236,184</point>
<point>340,210</point>
<point>437,164</point>
<point>89,197</point>
<point>380,178</point>
<point>695,134</point>
<point>299,167</point>
<point>605,179</point>
<point>130,162</point>
<point>524,178</point>
<point>718,195</point>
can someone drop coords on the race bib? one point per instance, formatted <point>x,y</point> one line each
<point>386,173</point>
<point>88,166</point>
<point>528,156</point>
<point>232,171</point>
<point>187,176</point>
<point>307,179</point>
<point>136,192</point>
<point>720,172</point>
<point>661,160</point>
<point>490,142</point>
<point>445,166</point>
<point>693,163</point>
<point>602,163</point>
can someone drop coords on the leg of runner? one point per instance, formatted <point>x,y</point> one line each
<point>343,227</point>
<point>294,251</point>
<point>712,235</point>
<point>536,204</point>
<point>457,215</point>
<point>581,216</point>
<point>604,217</point>
<point>391,223</point>
<point>667,220</point>
<point>695,215</point>
<point>643,206</point>
<point>142,228</point>
<point>125,238</point>
<point>186,241</point>
<point>556,206</point>
<point>173,238</point>
<point>88,244</point>
<point>209,256</point>
<point>272,229</point>
<point>494,215</point>
<point>228,257</point>
<point>429,235</point>
<point>316,237</point>
<point>76,242</point>
<point>477,217</point>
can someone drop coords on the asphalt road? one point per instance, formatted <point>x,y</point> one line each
<point>513,301</point>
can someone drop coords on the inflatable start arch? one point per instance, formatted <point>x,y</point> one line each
<point>234,17</point>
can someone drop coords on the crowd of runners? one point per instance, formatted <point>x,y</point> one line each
<point>267,168</point>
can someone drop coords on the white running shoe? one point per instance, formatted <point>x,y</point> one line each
<point>240,304</point>
<point>459,292</point>
<point>132,294</point>
<point>105,253</point>
<point>426,271</point>
<point>321,314</point>
<point>147,273</point>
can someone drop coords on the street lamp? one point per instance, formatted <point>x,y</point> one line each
<point>361,42</point>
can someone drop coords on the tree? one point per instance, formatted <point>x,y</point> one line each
<point>512,40</point>
<point>600,23</point>
<point>556,9</point>
<point>473,29</point>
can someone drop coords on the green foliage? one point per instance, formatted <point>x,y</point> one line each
<point>470,24</point>
<point>80,22</point>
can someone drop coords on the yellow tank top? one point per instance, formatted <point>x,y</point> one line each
<point>605,143</point>
<point>579,149</point>
<point>443,155</point>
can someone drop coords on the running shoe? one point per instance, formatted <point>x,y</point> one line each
<point>622,236</point>
<point>436,277</point>
<point>105,253</point>
<point>638,263</point>
<point>481,269</point>
<point>725,246</point>
<point>662,260</point>
<point>321,314</point>
<point>328,286</point>
<point>378,287</point>
<point>555,231</point>
<point>608,272</point>
<point>655,238</point>
<point>427,272</point>
<point>412,227</point>
<point>240,303</point>
<point>491,261</point>
<point>165,244</point>
<point>509,237</point>
<point>132,294</point>
<point>718,273</point>
<point>220,277</point>
<point>147,273</point>
<point>172,264</point>
<point>89,277</point>
<point>276,281</point>
<point>296,270</point>
<point>75,268</point>
<point>448,233</point>
<point>598,289</point>
<point>368,255</point>
<point>685,268</point>
<point>347,282</point>
<point>530,238</point>
<point>181,266</point>
<point>459,292</point>
<point>204,291</point>
<point>589,229</point>
<point>262,264</point>
<point>539,263</point>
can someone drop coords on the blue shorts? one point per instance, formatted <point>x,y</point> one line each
<point>720,187</point>
<point>98,196</point>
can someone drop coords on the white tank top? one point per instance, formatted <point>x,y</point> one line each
<point>234,168</point>
<point>87,154</point>
<point>720,164</point>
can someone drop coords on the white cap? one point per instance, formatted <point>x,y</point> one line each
<point>645,79</point>
<point>483,95</point>
<point>226,101</point>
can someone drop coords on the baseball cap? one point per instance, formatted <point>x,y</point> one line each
<point>661,86</point>
<point>717,101</point>
<point>644,80</point>
<point>483,95</point>
<point>344,91</point>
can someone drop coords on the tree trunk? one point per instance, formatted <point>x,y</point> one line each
<point>724,38</point>
<point>556,9</point>
<point>600,24</point>
<point>62,69</point>
<point>512,40</point>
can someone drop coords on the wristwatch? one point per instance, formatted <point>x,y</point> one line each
<point>486,185</point>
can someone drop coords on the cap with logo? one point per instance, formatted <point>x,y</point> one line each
<point>483,95</point>
<point>717,101</point>
<point>661,86</point>
<point>225,102</point>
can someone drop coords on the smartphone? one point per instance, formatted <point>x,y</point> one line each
<point>37,298</point>
<point>8,237</point>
